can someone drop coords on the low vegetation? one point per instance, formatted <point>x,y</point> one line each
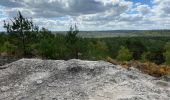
<point>147,67</point>
<point>124,54</point>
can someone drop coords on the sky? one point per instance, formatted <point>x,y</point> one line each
<point>90,15</point>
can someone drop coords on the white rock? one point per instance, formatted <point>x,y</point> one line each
<point>39,81</point>
<point>93,80</point>
<point>4,88</point>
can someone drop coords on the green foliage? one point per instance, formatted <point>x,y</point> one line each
<point>71,36</point>
<point>81,48</point>
<point>156,48</point>
<point>136,47</point>
<point>8,48</point>
<point>45,33</point>
<point>3,39</point>
<point>50,46</point>
<point>144,57</point>
<point>23,38</point>
<point>97,50</point>
<point>124,54</point>
<point>72,41</point>
<point>167,53</point>
<point>47,48</point>
<point>21,26</point>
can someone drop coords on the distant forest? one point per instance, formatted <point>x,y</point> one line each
<point>24,39</point>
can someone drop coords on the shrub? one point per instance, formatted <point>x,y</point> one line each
<point>167,53</point>
<point>144,57</point>
<point>8,48</point>
<point>46,48</point>
<point>147,67</point>
<point>124,54</point>
<point>97,50</point>
<point>72,42</point>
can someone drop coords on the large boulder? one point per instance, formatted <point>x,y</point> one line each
<point>34,79</point>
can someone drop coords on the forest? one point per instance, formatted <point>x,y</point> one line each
<point>23,39</point>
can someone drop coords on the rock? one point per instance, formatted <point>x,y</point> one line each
<point>166,78</point>
<point>4,59</point>
<point>35,79</point>
<point>162,84</point>
<point>4,88</point>
<point>39,81</point>
<point>168,93</point>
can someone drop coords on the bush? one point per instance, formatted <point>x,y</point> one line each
<point>124,54</point>
<point>147,67</point>
<point>51,47</point>
<point>167,53</point>
<point>98,50</point>
<point>72,42</point>
<point>144,57</point>
<point>8,48</point>
<point>47,49</point>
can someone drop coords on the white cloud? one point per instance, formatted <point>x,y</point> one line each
<point>91,14</point>
<point>162,7</point>
<point>144,9</point>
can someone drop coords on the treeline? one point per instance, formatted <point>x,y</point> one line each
<point>24,39</point>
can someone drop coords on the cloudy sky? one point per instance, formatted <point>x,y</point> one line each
<point>57,15</point>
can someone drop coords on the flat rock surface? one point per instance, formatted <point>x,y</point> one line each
<point>34,79</point>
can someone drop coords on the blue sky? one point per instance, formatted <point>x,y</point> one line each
<point>58,15</point>
<point>149,2</point>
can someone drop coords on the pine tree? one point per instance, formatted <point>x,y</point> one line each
<point>20,25</point>
<point>72,41</point>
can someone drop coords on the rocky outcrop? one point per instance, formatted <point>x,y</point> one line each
<point>34,79</point>
<point>6,59</point>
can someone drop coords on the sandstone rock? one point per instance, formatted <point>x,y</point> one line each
<point>35,79</point>
<point>4,88</point>
<point>39,81</point>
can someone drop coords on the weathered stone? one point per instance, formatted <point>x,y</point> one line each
<point>4,88</point>
<point>4,59</point>
<point>39,81</point>
<point>35,79</point>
